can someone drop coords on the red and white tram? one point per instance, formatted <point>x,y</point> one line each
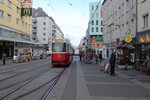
<point>62,53</point>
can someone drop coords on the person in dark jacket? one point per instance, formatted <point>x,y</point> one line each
<point>126,63</point>
<point>112,63</point>
<point>4,58</point>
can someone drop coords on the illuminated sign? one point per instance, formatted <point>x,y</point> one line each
<point>128,39</point>
<point>26,11</point>
<point>26,2</point>
<point>144,37</point>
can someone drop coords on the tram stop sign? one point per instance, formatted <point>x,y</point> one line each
<point>99,39</point>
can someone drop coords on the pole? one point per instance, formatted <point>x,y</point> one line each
<point>138,48</point>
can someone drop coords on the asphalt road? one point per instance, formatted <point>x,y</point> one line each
<point>38,80</point>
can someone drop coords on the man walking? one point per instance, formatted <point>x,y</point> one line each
<point>4,58</point>
<point>112,63</point>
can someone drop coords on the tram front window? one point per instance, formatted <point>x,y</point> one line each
<point>59,47</point>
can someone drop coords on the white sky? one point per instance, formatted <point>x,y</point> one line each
<point>71,16</point>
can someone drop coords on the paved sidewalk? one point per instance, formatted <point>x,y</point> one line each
<point>94,84</point>
<point>8,62</point>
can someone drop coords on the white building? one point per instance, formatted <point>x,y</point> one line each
<point>119,20</point>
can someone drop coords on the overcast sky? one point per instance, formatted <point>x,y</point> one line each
<point>71,16</point>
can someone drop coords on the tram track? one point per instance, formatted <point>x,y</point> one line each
<point>25,82</point>
<point>22,72</point>
<point>17,67</point>
<point>50,83</point>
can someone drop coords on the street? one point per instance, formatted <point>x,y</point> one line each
<point>38,80</point>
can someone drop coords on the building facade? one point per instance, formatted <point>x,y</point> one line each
<point>143,34</point>
<point>119,22</point>
<point>45,30</point>
<point>15,29</point>
<point>94,27</point>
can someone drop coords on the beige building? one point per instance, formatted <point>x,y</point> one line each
<point>119,21</point>
<point>14,28</point>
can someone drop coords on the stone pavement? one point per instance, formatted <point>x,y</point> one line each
<point>90,83</point>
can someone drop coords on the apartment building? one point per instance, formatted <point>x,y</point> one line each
<point>119,22</point>
<point>95,28</point>
<point>15,29</point>
<point>45,30</point>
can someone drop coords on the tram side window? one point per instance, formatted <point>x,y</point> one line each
<point>59,47</point>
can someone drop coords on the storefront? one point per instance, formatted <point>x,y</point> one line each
<point>124,49</point>
<point>142,50</point>
<point>6,47</point>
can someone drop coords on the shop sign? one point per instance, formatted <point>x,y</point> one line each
<point>26,11</point>
<point>144,38</point>
<point>128,39</point>
<point>99,39</point>
<point>26,2</point>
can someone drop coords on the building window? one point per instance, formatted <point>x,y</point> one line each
<point>22,23</point>
<point>97,45</point>
<point>29,26</point>
<point>25,25</point>
<point>9,4</point>
<point>44,23</point>
<point>18,9</point>
<point>1,0</point>
<point>96,29</point>
<point>8,17</point>
<point>1,14</point>
<point>44,34</point>
<point>92,22</point>
<point>97,22</point>
<point>92,7</point>
<point>96,15</point>
<point>92,29</point>
<point>44,28</point>
<point>145,20</point>
<point>101,29</point>
<point>17,21</point>
<point>44,39</point>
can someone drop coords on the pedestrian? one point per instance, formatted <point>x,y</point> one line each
<point>112,63</point>
<point>148,64</point>
<point>4,58</point>
<point>100,57</point>
<point>96,58</point>
<point>28,57</point>
<point>80,55</point>
<point>126,63</point>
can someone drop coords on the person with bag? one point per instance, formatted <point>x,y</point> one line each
<point>112,64</point>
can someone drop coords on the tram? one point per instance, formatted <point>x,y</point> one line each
<point>62,54</point>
